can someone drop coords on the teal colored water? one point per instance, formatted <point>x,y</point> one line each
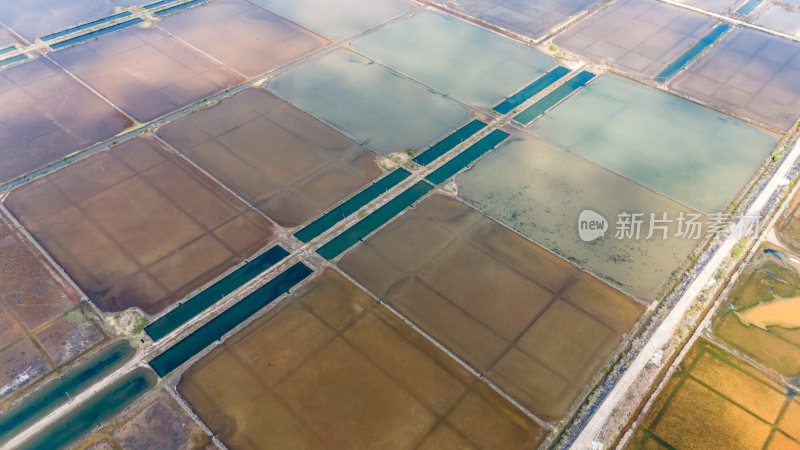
<point>368,102</point>
<point>552,99</point>
<point>542,83</point>
<point>339,19</point>
<point>8,49</point>
<point>466,157</point>
<point>178,8</point>
<point>455,57</point>
<point>692,154</point>
<point>748,7</point>
<point>96,33</point>
<point>216,292</point>
<point>98,409</point>
<point>13,59</point>
<point>541,192</point>
<point>450,142</point>
<point>184,350</point>
<point>352,205</point>
<point>54,393</point>
<point>93,23</point>
<point>372,222</point>
<point>698,48</point>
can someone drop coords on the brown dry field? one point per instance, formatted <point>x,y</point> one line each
<point>41,325</point>
<point>288,164</point>
<point>330,368</point>
<point>243,36</point>
<point>157,422</point>
<point>47,115</point>
<point>146,72</point>
<point>532,323</point>
<point>717,401</point>
<point>138,225</point>
<point>788,225</point>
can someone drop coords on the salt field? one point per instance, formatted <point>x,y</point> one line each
<point>455,57</point>
<point>692,154</point>
<point>373,105</point>
<point>399,224</point>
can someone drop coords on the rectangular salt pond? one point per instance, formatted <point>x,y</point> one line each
<point>533,324</point>
<point>541,194</point>
<point>455,57</point>
<point>751,74</point>
<point>146,72</point>
<point>102,406</point>
<point>46,115</point>
<point>137,225</point>
<point>553,98</point>
<point>541,83</point>
<point>465,158</point>
<point>329,367</point>
<point>372,222</point>
<point>36,18</point>
<point>352,205</point>
<point>717,401</point>
<point>453,140</point>
<point>532,19</point>
<point>229,319</point>
<point>375,106</point>
<point>214,293</point>
<point>337,20</point>
<point>692,154</point>
<point>241,35</point>
<point>781,18</point>
<point>280,159</point>
<point>638,37</point>
<point>55,393</point>
<point>717,6</point>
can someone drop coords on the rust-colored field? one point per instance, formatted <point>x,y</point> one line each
<point>330,368</point>
<point>146,72</point>
<point>243,36</point>
<point>138,226</point>
<point>717,401</point>
<point>42,327</point>
<point>46,115</point>
<point>531,322</point>
<point>157,422</point>
<point>285,162</point>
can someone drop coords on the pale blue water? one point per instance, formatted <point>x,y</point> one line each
<point>340,19</point>
<point>373,105</point>
<point>693,154</point>
<point>462,60</point>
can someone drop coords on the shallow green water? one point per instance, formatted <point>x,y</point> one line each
<point>370,103</point>
<point>455,57</point>
<point>99,408</point>
<point>57,391</point>
<point>540,190</point>
<point>690,153</point>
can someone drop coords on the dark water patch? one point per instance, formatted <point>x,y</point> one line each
<point>507,105</point>
<point>466,157</point>
<point>553,98</point>
<point>56,392</point>
<point>96,33</point>
<point>84,26</point>
<point>219,290</point>
<point>352,205</point>
<point>184,350</point>
<point>450,142</point>
<point>99,408</point>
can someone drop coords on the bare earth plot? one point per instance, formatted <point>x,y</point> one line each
<point>288,164</point>
<point>330,368</point>
<point>138,226</point>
